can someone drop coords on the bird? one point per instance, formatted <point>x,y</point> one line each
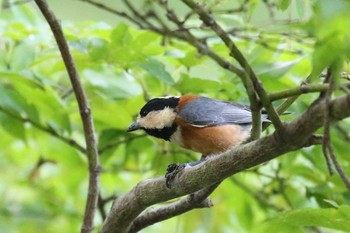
<point>201,124</point>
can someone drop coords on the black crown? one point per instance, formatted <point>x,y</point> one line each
<point>159,104</point>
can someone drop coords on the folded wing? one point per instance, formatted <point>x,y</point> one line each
<point>204,111</point>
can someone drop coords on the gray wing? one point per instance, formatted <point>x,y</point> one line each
<point>209,112</point>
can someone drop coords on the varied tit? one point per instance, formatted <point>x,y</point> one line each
<point>197,123</point>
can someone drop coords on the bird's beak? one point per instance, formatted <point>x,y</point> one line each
<point>134,126</point>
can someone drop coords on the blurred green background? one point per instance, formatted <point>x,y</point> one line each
<point>43,178</point>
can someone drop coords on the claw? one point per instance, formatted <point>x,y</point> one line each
<point>171,172</point>
<point>174,168</point>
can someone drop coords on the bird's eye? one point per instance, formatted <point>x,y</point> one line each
<point>143,113</point>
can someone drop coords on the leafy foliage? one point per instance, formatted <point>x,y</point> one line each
<point>44,168</point>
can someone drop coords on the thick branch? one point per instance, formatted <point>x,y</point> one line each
<point>152,191</point>
<point>85,113</point>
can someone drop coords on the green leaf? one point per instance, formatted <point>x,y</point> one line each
<point>300,5</point>
<point>337,219</point>
<point>277,69</point>
<point>109,136</point>
<point>191,58</point>
<point>186,84</point>
<point>12,100</point>
<point>330,25</point>
<point>118,86</point>
<point>284,4</point>
<point>12,126</point>
<point>157,69</point>
<point>17,86</point>
<point>144,39</point>
<point>121,35</point>
<point>23,55</point>
<point>98,49</point>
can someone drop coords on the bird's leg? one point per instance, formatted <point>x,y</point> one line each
<point>174,168</point>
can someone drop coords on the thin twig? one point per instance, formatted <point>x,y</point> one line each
<point>315,139</point>
<point>269,7</point>
<point>240,9</point>
<point>113,11</point>
<point>260,197</point>
<point>326,145</point>
<point>281,186</point>
<point>36,169</point>
<point>46,129</point>
<point>67,93</point>
<point>102,203</point>
<point>86,117</point>
<point>9,4</point>
<point>339,169</point>
<point>344,132</point>
<point>101,207</point>
<point>121,141</point>
<point>136,14</point>
<point>298,91</point>
<point>288,102</point>
<point>303,88</point>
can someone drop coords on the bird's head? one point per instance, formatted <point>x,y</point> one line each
<point>157,117</point>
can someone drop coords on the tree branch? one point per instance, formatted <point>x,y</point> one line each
<point>290,100</point>
<point>151,191</point>
<point>136,14</point>
<point>327,147</point>
<point>326,144</point>
<point>193,201</point>
<point>184,35</point>
<point>318,87</point>
<point>202,47</point>
<point>113,11</point>
<point>101,203</point>
<point>85,113</point>
<point>250,80</point>
<point>304,88</point>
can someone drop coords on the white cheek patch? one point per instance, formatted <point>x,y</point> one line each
<point>158,119</point>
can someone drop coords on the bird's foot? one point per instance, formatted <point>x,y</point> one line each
<point>174,168</point>
<point>171,172</point>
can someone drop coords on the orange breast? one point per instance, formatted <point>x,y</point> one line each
<point>211,140</point>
